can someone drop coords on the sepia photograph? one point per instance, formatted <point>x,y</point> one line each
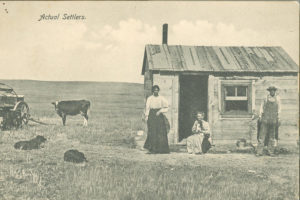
<point>149,100</point>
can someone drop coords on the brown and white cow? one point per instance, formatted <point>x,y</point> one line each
<point>73,107</point>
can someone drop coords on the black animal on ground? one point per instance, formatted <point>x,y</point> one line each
<point>205,144</point>
<point>34,143</point>
<point>72,107</point>
<point>74,156</point>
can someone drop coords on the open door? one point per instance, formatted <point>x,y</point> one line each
<point>193,97</point>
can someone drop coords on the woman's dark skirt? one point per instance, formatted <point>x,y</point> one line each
<point>157,137</point>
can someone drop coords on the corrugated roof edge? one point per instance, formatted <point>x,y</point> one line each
<point>209,45</point>
<point>151,66</point>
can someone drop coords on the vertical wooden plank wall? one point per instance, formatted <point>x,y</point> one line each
<point>231,129</point>
<point>225,130</point>
<point>211,105</point>
<point>175,107</point>
<point>148,79</point>
<point>169,89</point>
<point>147,83</point>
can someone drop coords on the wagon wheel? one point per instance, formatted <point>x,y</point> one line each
<point>23,112</point>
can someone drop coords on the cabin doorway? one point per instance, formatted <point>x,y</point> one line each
<point>193,97</point>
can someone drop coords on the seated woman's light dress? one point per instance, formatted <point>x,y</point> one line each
<point>194,142</point>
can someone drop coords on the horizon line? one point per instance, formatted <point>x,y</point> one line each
<point>67,81</point>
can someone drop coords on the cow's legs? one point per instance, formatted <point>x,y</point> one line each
<point>85,118</point>
<point>64,117</point>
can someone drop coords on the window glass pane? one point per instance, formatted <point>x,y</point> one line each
<point>230,90</point>
<point>236,106</point>
<point>241,91</point>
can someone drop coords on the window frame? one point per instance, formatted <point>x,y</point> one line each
<point>235,83</point>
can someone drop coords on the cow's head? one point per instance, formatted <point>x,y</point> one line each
<point>55,104</point>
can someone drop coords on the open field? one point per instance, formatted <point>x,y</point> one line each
<point>116,169</point>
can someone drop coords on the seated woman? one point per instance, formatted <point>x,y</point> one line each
<point>199,142</point>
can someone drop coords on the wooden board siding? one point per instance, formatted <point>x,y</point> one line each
<point>148,79</point>
<point>211,102</point>
<point>235,128</point>
<point>169,88</point>
<point>147,82</point>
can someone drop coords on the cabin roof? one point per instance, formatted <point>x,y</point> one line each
<point>176,58</point>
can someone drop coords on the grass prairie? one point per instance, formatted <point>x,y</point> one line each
<point>115,168</point>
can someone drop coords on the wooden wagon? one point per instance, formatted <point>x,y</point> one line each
<point>13,109</point>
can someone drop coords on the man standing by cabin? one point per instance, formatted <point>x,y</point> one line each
<point>269,119</point>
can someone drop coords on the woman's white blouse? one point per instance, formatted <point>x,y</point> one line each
<point>156,102</point>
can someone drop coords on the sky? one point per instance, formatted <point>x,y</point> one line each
<point>109,44</point>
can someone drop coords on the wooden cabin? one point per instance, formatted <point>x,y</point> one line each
<point>225,82</point>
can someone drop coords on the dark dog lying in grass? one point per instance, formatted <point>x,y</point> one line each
<point>34,143</point>
<point>74,156</point>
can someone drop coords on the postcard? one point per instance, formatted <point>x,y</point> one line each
<point>137,100</point>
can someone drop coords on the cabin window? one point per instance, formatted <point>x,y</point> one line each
<point>236,99</point>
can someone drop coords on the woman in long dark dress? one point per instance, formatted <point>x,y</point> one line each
<point>158,125</point>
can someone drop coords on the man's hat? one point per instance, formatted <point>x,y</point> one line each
<point>272,88</point>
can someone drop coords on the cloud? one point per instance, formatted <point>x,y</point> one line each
<point>122,55</point>
<point>75,51</point>
<point>202,32</point>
